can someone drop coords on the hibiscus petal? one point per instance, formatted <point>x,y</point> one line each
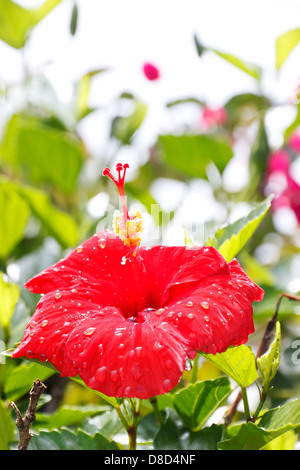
<point>168,267</point>
<point>112,354</point>
<point>217,312</point>
<point>102,263</point>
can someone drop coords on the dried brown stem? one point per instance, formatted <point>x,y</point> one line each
<point>24,424</point>
<point>262,349</point>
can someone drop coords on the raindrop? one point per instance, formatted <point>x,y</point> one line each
<point>114,375</point>
<point>44,323</point>
<point>138,351</point>
<point>100,349</point>
<point>167,385</point>
<point>190,316</point>
<point>205,305</point>
<point>41,339</point>
<point>89,331</point>
<point>127,391</point>
<point>136,370</point>
<point>58,295</point>
<point>79,249</point>
<point>189,303</point>
<point>188,365</point>
<point>159,312</point>
<point>206,318</point>
<point>74,291</point>
<point>101,373</point>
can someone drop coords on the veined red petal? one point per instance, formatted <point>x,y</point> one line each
<point>102,263</point>
<point>217,313</point>
<point>112,354</point>
<point>126,321</point>
<point>169,267</point>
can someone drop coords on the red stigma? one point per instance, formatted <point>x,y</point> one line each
<point>120,184</point>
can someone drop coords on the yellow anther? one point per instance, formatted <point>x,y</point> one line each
<point>129,232</point>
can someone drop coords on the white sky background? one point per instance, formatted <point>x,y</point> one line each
<point>122,35</point>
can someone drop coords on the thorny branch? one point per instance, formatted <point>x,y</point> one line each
<point>24,424</point>
<point>263,347</point>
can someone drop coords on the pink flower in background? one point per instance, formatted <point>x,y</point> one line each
<point>151,71</point>
<point>213,117</point>
<point>281,183</point>
<point>294,142</point>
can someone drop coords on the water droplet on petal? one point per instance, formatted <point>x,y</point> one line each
<point>114,376</point>
<point>240,284</point>
<point>205,305</point>
<point>74,291</point>
<point>89,331</point>
<point>190,316</point>
<point>44,323</point>
<point>136,370</point>
<point>206,318</point>
<point>100,349</point>
<point>167,385</point>
<point>79,249</point>
<point>41,339</point>
<point>58,295</point>
<point>188,365</point>
<point>101,374</point>
<point>159,312</point>
<point>189,303</point>
<point>127,391</point>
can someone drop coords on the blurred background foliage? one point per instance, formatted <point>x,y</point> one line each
<point>52,195</point>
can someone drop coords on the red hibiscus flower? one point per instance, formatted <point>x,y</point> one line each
<point>126,317</point>
<point>151,71</point>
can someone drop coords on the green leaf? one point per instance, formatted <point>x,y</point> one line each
<point>9,295</point>
<point>82,92</point>
<point>198,401</point>
<point>74,19</point>
<point>43,153</point>
<point>14,216</point>
<point>191,154</point>
<point>20,379</point>
<point>7,427</point>
<point>232,238</point>
<point>59,224</point>
<point>273,423</point>
<point>252,70</point>
<point>66,439</point>
<point>124,128</point>
<point>66,416</point>
<point>285,44</point>
<point>238,363</point>
<point>17,22</point>
<point>172,436</point>
<point>268,363</point>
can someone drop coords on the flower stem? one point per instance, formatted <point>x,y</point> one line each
<point>132,434</point>
<point>130,419</point>
<point>246,404</point>
<point>157,411</point>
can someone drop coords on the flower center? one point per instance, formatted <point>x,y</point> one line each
<point>129,225</point>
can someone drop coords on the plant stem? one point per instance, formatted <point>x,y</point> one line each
<point>260,405</point>
<point>246,404</point>
<point>132,434</point>
<point>157,411</point>
<point>130,423</point>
